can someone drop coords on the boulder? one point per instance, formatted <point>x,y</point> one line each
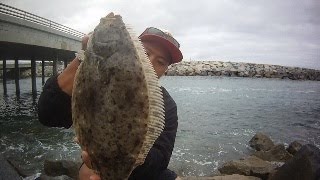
<point>62,167</point>
<point>62,177</point>
<point>244,74</point>
<point>235,177</point>
<point>33,177</point>
<point>226,177</point>
<point>249,166</point>
<point>261,142</point>
<point>305,165</point>
<point>198,69</point>
<point>267,74</point>
<point>276,153</point>
<point>203,73</point>
<point>7,171</point>
<point>18,167</point>
<point>194,178</point>
<point>294,147</point>
<point>241,68</point>
<point>170,72</point>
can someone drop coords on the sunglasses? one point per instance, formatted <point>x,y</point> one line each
<point>158,32</point>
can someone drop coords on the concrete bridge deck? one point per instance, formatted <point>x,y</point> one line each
<point>26,36</point>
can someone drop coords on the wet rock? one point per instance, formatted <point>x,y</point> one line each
<point>276,153</point>
<point>294,147</point>
<point>261,142</point>
<point>18,167</point>
<point>235,177</point>
<point>195,178</point>
<point>276,164</point>
<point>226,177</point>
<point>33,177</point>
<point>7,171</point>
<point>62,167</point>
<point>249,166</point>
<point>62,177</point>
<point>305,165</point>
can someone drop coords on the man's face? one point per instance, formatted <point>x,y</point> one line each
<point>158,55</point>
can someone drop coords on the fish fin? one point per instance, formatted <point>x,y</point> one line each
<point>156,119</point>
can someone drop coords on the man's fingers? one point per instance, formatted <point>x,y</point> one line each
<point>76,140</point>
<point>86,159</point>
<point>95,177</point>
<point>85,42</point>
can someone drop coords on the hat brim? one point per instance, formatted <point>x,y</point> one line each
<point>176,55</point>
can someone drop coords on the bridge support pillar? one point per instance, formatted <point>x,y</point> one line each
<point>33,77</point>
<point>4,76</point>
<point>54,68</point>
<point>42,71</point>
<point>65,63</point>
<point>17,75</point>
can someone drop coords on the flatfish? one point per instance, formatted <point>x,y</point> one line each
<point>117,103</point>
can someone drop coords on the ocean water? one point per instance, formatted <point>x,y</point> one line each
<point>217,118</point>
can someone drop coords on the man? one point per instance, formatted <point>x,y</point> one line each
<point>54,106</point>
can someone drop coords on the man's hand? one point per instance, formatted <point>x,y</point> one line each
<point>86,159</point>
<point>85,40</point>
<point>85,172</point>
<point>66,78</point>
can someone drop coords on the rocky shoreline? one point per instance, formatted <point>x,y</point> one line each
<point>269,161</point>
<point>239,69</point>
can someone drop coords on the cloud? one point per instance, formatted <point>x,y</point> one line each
<point>282,32</point>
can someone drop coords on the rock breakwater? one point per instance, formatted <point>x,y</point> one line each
<point>239,69</point>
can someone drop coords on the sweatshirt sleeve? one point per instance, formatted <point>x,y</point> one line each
<point>54,105</point>
<point>159,155</point>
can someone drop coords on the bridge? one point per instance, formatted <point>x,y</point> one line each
<point>26,36</point>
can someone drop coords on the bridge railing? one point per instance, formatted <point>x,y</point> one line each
<point>12,11</point>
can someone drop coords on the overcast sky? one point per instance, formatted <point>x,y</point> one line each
<point>283,32</point>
